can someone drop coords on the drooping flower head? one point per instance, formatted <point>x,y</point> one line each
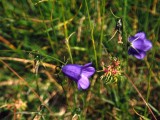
<point>80,74</point>
<point>139,45</point>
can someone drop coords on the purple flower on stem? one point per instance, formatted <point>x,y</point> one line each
<point>80,74</point>
<point>139,45</point>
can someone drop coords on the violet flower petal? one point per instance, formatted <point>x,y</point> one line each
<point>139,35</point>
<point>83,82</point>
<point>137,53</point>
<point>143,45</point>
<point>87,65</point>
<point>148,45</point>
<point>131,38</point>
<point>139,45</point>
<point>72,70</point>
<point>88,71</point>
<point>80,74</point>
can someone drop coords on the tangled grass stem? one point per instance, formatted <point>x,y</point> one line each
<point>23,80</point>
<point>25,61</point>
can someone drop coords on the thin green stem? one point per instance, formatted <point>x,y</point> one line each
<point>69,48</point>
<point>94,47</point>
<point>140,95</point>
<point>148,86</point>
<point>37,86</point>
<point>149,77</point>
<point>124,22</point>
<point>49,38</point>
<point>102,31</point>
<point>92,36</point>
<point>150,66</point>
<point>66,35</point>
<point>125,32</point>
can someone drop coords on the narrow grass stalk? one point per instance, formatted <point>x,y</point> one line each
<point>69,48</point>
<point>102,31</point>
<point>94,47</point>
<point>150,66</point>
<point>25,61</point>
<point>66,35</point>
<point>92,37</point>
<point>140,95</point>
<point>36,76</point>
<point>23,80</point>
<point>124,20</point>
<point>125,31</point>
<point>148,87</point>
<point>49,38</point>
<point>149,77</point>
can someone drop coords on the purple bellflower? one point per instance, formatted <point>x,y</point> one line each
<point>139,45</point>
<point>80,74</point>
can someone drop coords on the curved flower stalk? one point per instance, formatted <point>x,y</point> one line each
<point>80,74</point>
<point>139,45</point>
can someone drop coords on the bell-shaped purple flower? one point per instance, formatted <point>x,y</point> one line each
<point>139,45</point>
<point>80,74</point>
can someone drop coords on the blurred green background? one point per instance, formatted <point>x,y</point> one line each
<point>37,37</point>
